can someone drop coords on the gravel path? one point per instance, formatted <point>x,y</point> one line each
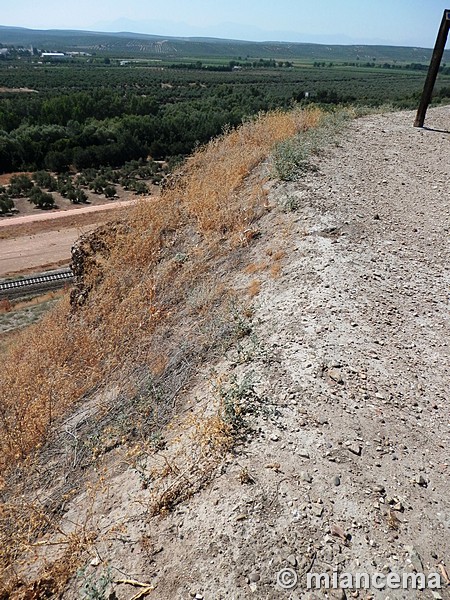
<point>352,470</point>
<point>361,328</point>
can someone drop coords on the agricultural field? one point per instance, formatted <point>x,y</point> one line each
<point>110,121</point>
<point>97,112</point>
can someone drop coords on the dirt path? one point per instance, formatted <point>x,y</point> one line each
<point>41,241</point>
<point>54,216</point>
<point>39,251</point>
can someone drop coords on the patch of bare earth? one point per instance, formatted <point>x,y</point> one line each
<point>339,395</point>
<point>44,240</point>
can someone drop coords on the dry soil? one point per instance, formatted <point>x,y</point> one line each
<point>346,464</point>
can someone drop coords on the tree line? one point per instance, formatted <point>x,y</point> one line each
<point>107,127</point>
<point>92,116</point>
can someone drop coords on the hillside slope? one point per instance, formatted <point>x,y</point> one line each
<point>351,346</point>
<point>132,44</point>
<point>339,391</point>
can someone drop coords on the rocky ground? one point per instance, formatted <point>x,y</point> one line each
<point>346,461</point>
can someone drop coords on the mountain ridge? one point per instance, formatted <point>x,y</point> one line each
<point>117,42</point>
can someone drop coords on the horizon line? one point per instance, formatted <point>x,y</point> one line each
<point>212,37</point>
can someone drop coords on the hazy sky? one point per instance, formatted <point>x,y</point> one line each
<point>399,22</point>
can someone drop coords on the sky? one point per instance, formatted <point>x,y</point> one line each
<point>394,22</point>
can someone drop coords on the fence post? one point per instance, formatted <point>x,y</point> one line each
<point>433,69</point>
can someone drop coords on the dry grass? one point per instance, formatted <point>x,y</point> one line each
<point>254,288</point>
<point>272,264</point>
<point>31,535</point>
<point>193,465</point>
<point>204,440</point>
<point>63,357</point>
<point>5,306</point>
<point>277,254</point>
<point>159,302</point>
<point>253,268</point>
<point>216,174</point>
<point>275,270</point>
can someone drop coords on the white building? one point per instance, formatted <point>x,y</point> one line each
<point>53,56</point>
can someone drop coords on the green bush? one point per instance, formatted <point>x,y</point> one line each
<point>6,203</point>
<point>99,184</point>
<point>77,196</point>
<point>109,191</point>
<point>140,188</point>
<point>292,158</point>
<point>44,180</point>
<point>67,190</point>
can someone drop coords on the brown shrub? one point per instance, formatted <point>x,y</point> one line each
<point>254,288</point>
<point>5,305</point>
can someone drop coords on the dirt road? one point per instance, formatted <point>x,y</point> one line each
<point>39,241</point>
<point>39,251</point>
<point>55,216</point>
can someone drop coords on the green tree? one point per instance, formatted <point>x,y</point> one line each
<point>45,180</point>
<point>41,199</point>
<point>57,161</point>
<point>98,185</point>
<point>67,190</point>
<point>9,152</point>
<point>77,196</point>
<point>6,203</point>
<point>20,185</point>
<point>109,191</point>
<point>140,188</point>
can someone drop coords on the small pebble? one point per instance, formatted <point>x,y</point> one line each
<point>292,560</point>
<point>305,476</point>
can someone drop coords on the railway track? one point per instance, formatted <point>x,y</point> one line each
<point>30,285</point>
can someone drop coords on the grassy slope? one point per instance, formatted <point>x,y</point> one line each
<point>155,269</point>
<point>162,302</point>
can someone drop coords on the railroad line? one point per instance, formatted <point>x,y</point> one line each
<point>39,283</point>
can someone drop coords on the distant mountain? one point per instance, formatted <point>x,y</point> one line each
<point>127,44</point>
<point>235,31</point>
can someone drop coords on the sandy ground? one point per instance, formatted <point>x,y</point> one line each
<point>39,241</point>
<point>35,252</point>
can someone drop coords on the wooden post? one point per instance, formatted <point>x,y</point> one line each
<point>433,70</point>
